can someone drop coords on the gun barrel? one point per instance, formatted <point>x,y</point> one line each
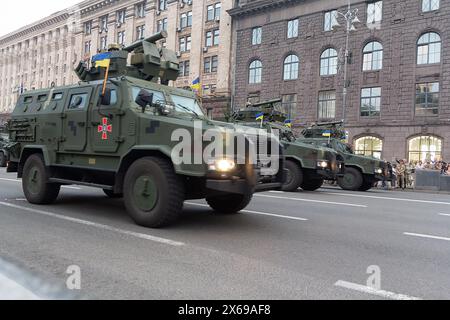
<point>156,37</point>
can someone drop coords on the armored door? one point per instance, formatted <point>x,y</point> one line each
<point>75,119</point>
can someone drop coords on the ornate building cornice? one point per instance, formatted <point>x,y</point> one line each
<point>255,6</point>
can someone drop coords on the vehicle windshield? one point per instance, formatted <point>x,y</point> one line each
<point>344,148</point>
<point>184,104</point>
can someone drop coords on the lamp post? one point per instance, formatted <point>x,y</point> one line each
<point>351,18</point>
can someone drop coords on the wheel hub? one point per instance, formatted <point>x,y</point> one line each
<point>34,180</point>
<point>145,193</point>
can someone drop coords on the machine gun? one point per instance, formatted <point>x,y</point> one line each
<point>333,129</point>
<point>147,62</point>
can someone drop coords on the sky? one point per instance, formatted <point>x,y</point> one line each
<point>16,14</point>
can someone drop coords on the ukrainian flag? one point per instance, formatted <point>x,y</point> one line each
<point>326,133</point>
<point>196,85</point>
<point>288,123</point>
<point>102,60</point>
<point>260,116</point>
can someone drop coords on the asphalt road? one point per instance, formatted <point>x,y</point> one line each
<point>304,245</point>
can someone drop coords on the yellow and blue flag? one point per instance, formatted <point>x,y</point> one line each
<point>326,133</point>
<point>196,85</point>
<point>102,60</point>
<point>288,123</point>
<point>260,116</point>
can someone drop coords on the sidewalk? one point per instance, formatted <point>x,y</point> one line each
<point>397,190</point>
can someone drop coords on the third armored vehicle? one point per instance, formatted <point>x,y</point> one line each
<point>118,130</point>
<point>361,172</point>
<point>307,166</point>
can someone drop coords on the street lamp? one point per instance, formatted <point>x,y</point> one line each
<point>351,18</point>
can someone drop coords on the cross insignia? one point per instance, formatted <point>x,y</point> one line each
<point>105,128</point>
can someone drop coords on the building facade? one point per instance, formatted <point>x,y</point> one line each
<point>45,52</point>
<point>398,75</point>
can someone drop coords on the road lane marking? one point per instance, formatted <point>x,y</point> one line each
<point>314,201</point>
<point>426,236</point>
<point>13,290</point>
<point>96,225</point>
<point>70,187</point>
<point>10,180</point>
<point>444,214</point>
<point>386,198</point>
<point>254,212</point>
<point>369,290</point>
<point>18,181</point>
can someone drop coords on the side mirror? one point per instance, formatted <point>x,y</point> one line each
<point>144,99</point>
<point>105,99</point>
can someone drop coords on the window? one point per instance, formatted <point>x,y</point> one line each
<point>184,68</point>
<point>162,5</point>
<point>186,20</point>
<point>291,66</point>
<point>430,5</point>
<point>427,99</point>
<point>87,47</point>
<point>289,104</point>
<point>369,146</point>
<point>256,36</point>
<point>373,56</point>
<point>158,97</point>
<point>425,148</point>
<point>370,102</point>
<point>212,38</point>
<point>88,28</point>
<point>140,10</point>
<point>292,29</point>
<point>185,44</point>
<point>211,64</point>
<point>140,31</point>
<point>162,25</point>
<point>374,12</point>
<point>330,20</point>
<point>121,16</point>
<point>121,37</point>
<point>429,49</point>
<point>78,101</point>
<point>103,43</point>
<point>327,104</point>
<point>104,24</point>
<point>213,12</point>
<point>328,62</point>
<point>255,72</point>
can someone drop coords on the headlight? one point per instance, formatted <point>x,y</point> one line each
<point>223,165</point>
<point>322,164</point>
<point>379,171</point>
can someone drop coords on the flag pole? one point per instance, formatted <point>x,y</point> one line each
<point>105,80</point>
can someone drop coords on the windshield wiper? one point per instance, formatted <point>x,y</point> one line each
<point>189,110</point>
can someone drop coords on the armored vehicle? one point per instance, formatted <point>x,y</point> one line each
<point>307,166</point>
<point>361,172</point>
<point>118,129</point>
<point>4,142</point>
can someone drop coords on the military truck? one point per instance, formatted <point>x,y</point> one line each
<point>114,131</point>
<point>4,154</point>
<point>361,172</point>
<point>307,166</point>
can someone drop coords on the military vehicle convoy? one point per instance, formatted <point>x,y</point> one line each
<point>361,172</point>
<point>113,130</point>
<point>307,166</point>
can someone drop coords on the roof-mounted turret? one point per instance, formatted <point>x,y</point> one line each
<point>271,109</point>
<point>147,62</point>
<point>330,129</point>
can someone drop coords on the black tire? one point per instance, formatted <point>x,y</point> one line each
<point>35,183</point>
<point>366,186</point>
<point>312,185</point>
<point>294,176</point>
<point>112,195</point>
<point>2,160</point>
<point>229,203</point>
<point>352,180</point>
<point>153,193</point>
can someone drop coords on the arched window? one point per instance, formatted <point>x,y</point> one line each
<point>255,72</point>
<point>373,56</point>
<point>369,146</point>
<point>328,62</point>
<point>291,66</point>
<point>429,48</point>
<point>425,148</point>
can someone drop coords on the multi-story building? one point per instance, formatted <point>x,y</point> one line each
<point>398,75</point>
<point>45,52</point>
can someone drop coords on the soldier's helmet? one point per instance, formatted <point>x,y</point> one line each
<point>114,47</point>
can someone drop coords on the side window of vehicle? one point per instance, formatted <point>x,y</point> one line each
<point>114,96</point>
<point>78,101</point>
<point>158,97</point>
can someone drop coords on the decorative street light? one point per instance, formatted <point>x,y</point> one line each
<point>351,18</point>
